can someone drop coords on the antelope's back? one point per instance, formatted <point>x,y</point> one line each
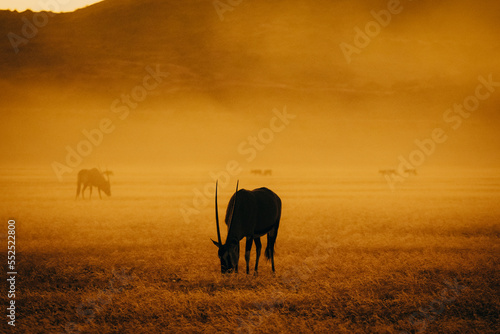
<point>260,207</point>
<point>83,175</point>
<point>268,204</point>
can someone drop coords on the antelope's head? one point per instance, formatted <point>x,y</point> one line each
<point>228,253</point>
<point>106,187</point>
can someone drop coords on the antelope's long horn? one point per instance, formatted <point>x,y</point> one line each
<point>217,214</point>
<point>234,204</point>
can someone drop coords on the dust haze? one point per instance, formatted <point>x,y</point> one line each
<point>376,122</point>
<point>225,78</point>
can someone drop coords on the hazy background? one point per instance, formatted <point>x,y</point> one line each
<point>352,255</point>
<point>226,77</point>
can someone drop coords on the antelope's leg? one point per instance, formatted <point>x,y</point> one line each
<point>83,190</point>
<point>90,197</point>
<point>237,257</point>
<point>271,239</point>
<point>248,248</point>
<point>99,190</point>
<point>258,247</point>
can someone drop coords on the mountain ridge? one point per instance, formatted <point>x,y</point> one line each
<point>104,49</point>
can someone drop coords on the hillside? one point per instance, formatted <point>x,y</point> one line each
<point>247,60</point>
<point>262,43</point>
<point>112,42</point>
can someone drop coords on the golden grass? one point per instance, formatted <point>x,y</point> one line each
<point>348,260</point>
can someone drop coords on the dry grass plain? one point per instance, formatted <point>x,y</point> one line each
<point>352,257</point>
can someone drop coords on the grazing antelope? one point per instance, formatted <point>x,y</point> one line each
<point>388,172</point>
<point>267,172</point>
<point>93,178</point>
<point>261,172</point>
<point>249,214</point>
<point>411,171</point>
<point>256,171</point>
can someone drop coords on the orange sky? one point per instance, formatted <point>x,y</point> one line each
<point>37,5</point>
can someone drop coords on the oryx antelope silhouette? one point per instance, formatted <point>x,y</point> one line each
<point>249,214</point>
<point>93,178</point>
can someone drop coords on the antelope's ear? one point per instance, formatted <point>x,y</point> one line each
<point>216,243</point>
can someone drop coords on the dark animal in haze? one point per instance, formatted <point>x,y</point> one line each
<point>93,178</point>
<point>250,215</point>
<point>411,171</point>
<point>261,172</point>
<point>388,172</point>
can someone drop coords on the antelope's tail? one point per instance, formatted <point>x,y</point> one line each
<point>267,253</point>
<point>271,242</point>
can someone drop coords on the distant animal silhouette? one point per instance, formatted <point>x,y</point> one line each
<point>267,172</point>
<point>249,214</point>
<point>411,171</point>
<point>261,172</point>
<point>388,172</point>
<point>93,178</point>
